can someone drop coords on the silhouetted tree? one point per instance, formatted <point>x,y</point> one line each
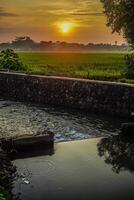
<point>27,44</point>
<point>120,16</point>
<point>23,43</point>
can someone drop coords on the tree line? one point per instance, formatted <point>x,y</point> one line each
<point>27,44</point>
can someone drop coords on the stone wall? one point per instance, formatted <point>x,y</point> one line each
<point>93,96</point>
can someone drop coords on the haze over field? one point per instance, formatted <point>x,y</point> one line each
<point>80,21</point>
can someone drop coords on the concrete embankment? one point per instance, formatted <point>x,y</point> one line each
<point>93,96</point>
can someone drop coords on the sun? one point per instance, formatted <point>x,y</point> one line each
<point>65,27</point>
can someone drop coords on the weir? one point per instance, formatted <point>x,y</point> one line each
<point>93,96</point>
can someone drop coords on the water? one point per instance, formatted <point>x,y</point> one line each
<point>99,168</point>
<point>19,119</point>
<point>96,169</point>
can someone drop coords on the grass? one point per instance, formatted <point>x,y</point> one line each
<point>100,66</point>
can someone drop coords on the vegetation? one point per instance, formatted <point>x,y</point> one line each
<point>129,73</point>
<point>7,172</point>
<point>120,17</point>
<point>10,60</point>
<point>27,44</point>
<point>100,66</point>
<point>97,66</point>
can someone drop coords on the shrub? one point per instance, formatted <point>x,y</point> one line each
<point>10,60</point>
<point>129,72</point>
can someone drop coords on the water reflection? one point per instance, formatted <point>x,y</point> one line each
<point>34,152</point>
<point>118,151</point>
<point>74,171</point>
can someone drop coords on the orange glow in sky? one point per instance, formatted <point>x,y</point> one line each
<point>81,21</point>
<point>65,28</point>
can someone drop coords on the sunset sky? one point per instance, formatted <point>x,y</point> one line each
<point>80,21</point>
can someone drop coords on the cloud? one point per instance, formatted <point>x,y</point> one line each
<point>3,13</point>
<point>98,14</point>
<point>38,19</point>
<point>4,30</point>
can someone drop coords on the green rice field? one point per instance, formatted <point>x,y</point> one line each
<point>98,66</point>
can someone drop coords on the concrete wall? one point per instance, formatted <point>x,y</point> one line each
<point>93,96</point>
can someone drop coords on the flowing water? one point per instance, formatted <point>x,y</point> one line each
<point>18,119</point>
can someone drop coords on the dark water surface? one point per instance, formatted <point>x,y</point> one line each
<point>19,119</point>
<point>96,169</point>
